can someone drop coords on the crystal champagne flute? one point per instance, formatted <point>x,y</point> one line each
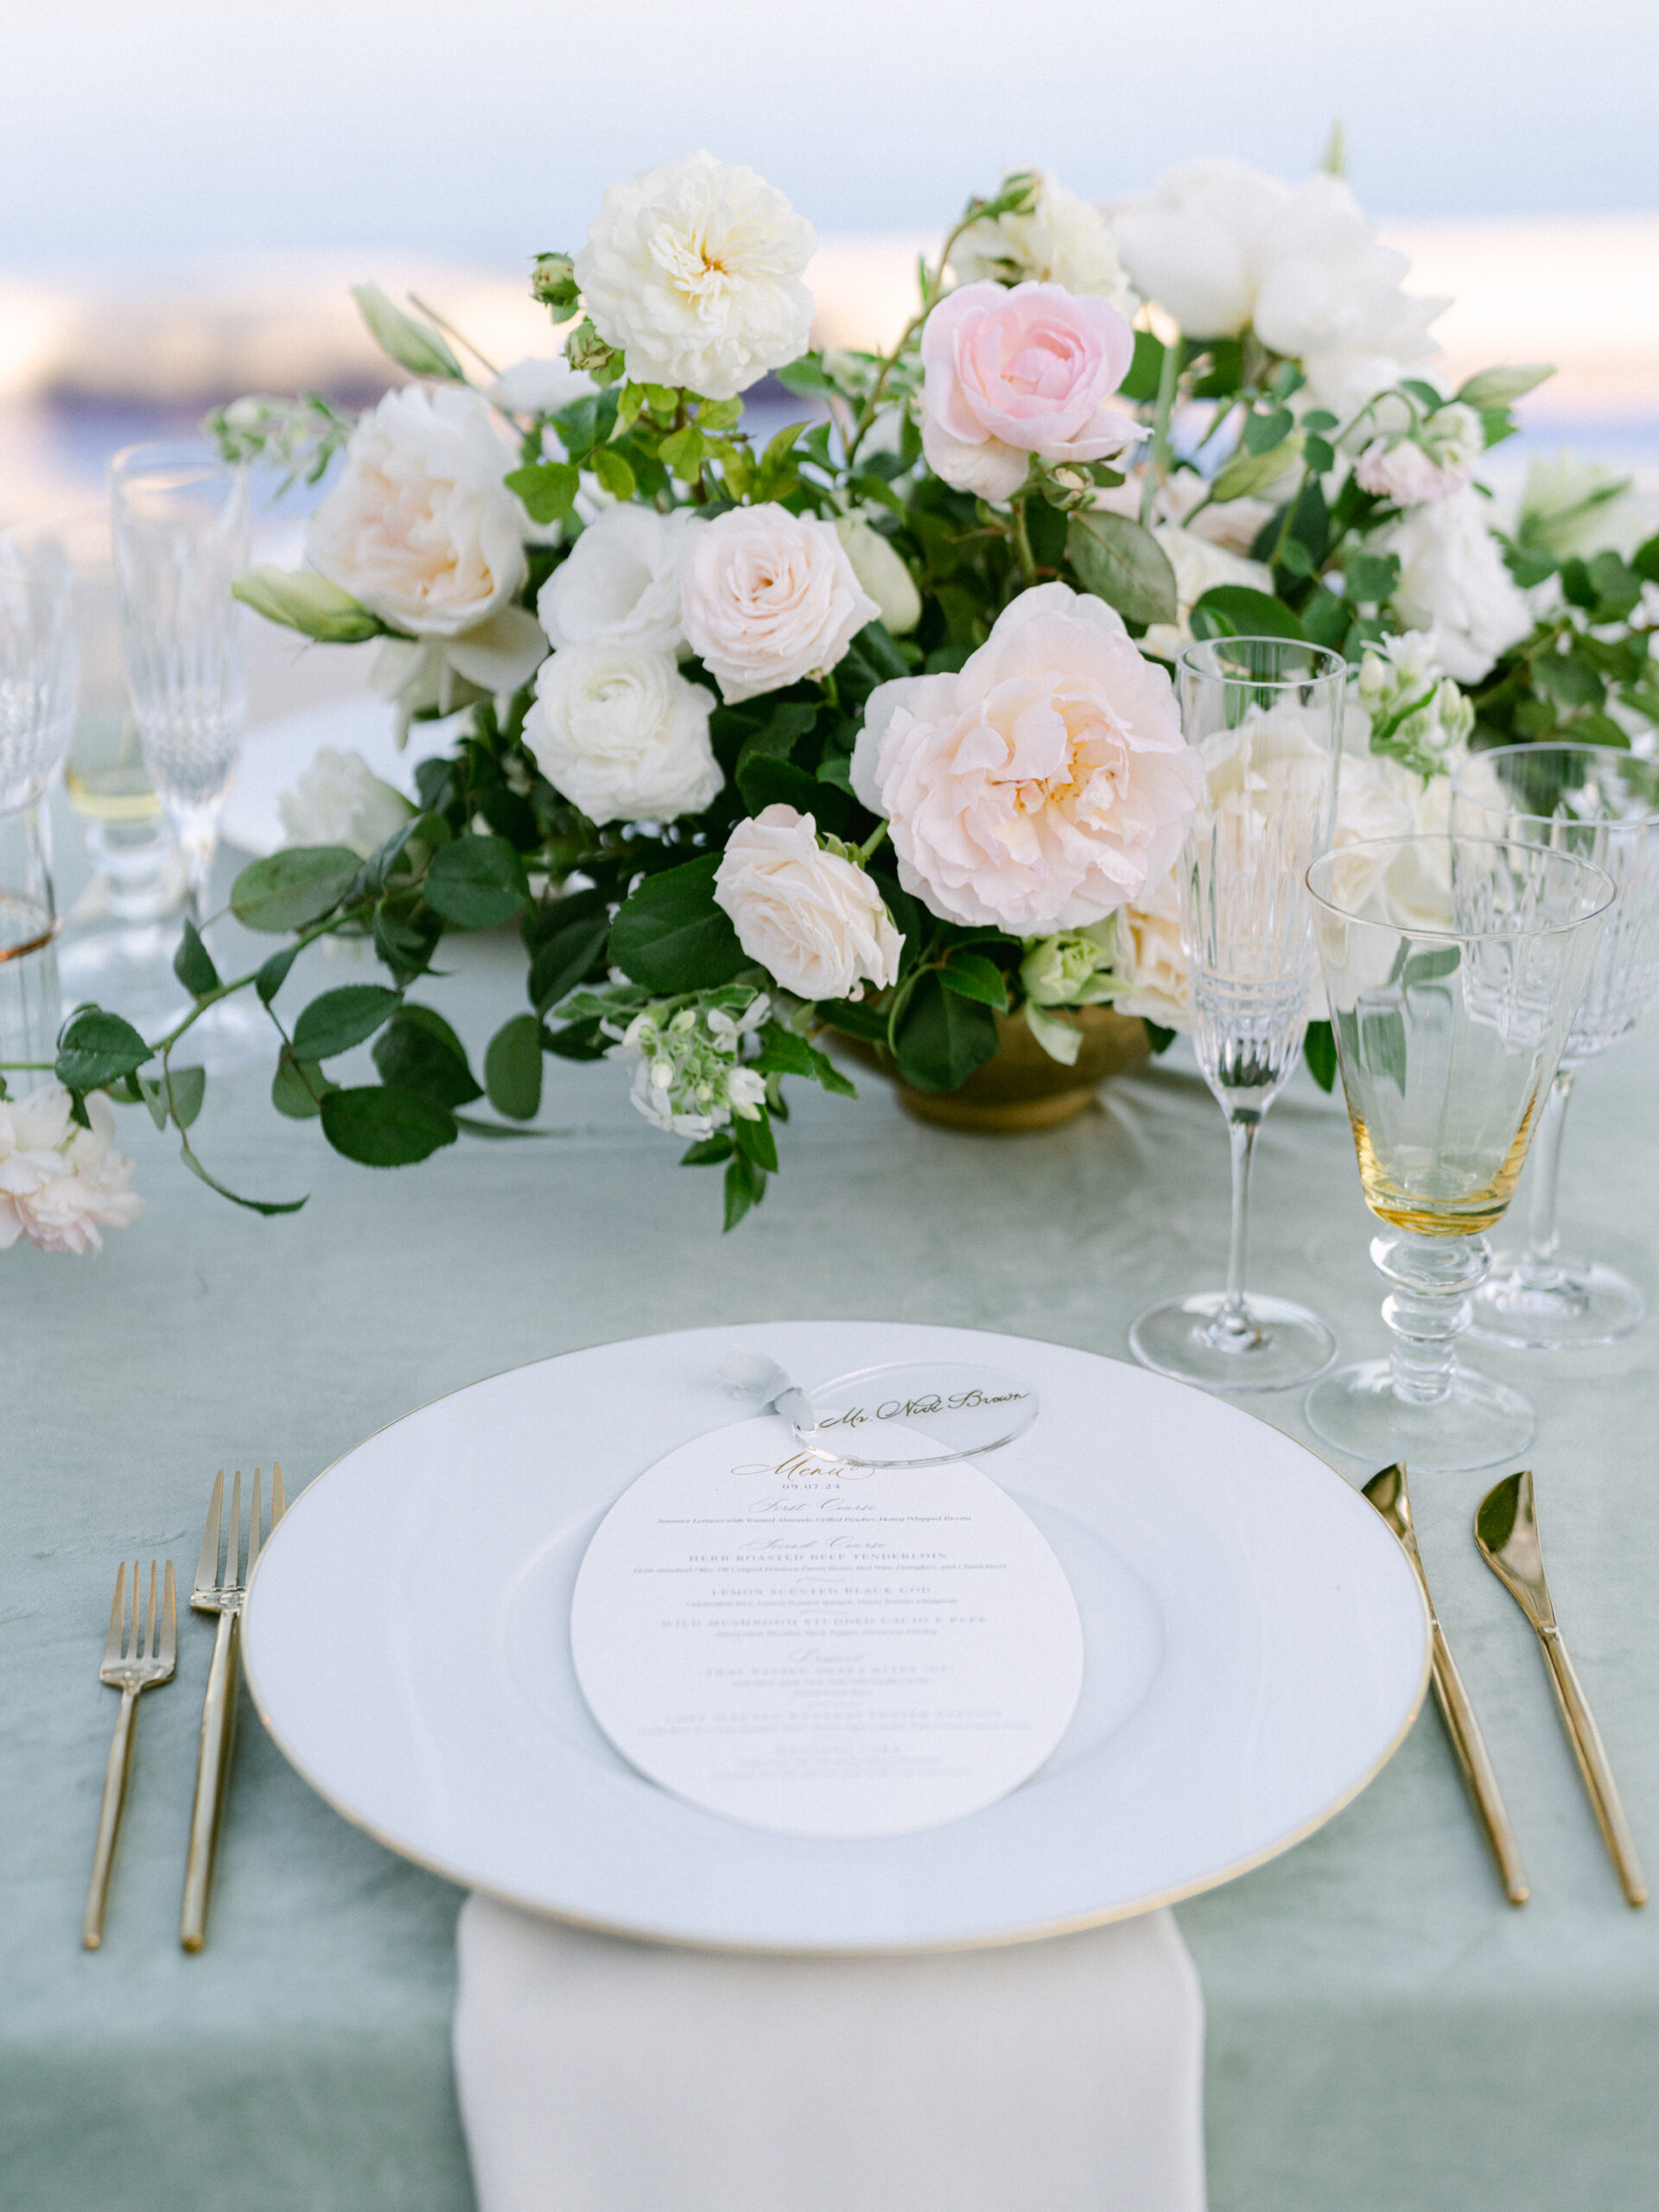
<point>37,707</point>
<point>1604,805</point>
<point>1265,716</point>
<point>1453,967</point>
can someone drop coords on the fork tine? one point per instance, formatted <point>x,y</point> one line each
<point>253,1530</point>
<point>233,1574</point>
<point>170,1652</point>
<point>207,1565</point>
<point>278,1502</point>
<point>150,1622</point>
<point>117,1616</point>
<point>133,1646</point>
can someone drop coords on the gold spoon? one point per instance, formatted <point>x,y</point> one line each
<point>1388,1494</point>
<point>1506,1529</point>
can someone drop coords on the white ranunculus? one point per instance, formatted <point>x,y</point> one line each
<point>1454,583</point>
<point>815,919</point>
<point>442,674</point>
<point>694,270</point>
<point>620,585</point>
<point>421,529</point>
<point>1222,246</point>
<point>1041,785</point>
<point>770,597</point>
<point>881,572</point>
<point>623,734</point>
<point>341,801</point>
<point>61,1184</point>
<point>1063,239</point>
<point>538,385</point>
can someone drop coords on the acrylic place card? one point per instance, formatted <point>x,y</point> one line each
<point>821,1648</point>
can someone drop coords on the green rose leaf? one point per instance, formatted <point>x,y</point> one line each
<point>613,473</point>
<point>1368,579</point>
<point>96,1048</point>
<point>1319,1050</point>
<point>746,1185</point>
<point>1235,611</point>
<point>765,782</point>
<point>971,975</point>
<point>380,1125</point>
<point>192,963</point>
<point>512,1068</point>
<point>942,1037</point>
<point>179,1094</point>
<point>418,1051</point>
<point>547,488</point>
<point>755,1141</point>
<point>477,883</point>
<point>563,960</point>
<point>274,974</point>
<point>293,888</point>
<point>298,1088</point>
<point>417,346</point>
<point>1141,382</point>
<point>1123,564</point>
<point>670,936</point>
<point>342,1018</point>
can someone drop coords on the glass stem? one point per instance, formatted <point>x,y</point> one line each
<point>1233,1325</point>
<point>1427,1307</point>
<point>1538,1269</point>
<point>196,831</point>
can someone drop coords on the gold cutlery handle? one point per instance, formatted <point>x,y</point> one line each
<point>1470,1746</point>
<point>213,1765</point>
<point>1592,1765</point>
<point>109,1820</point>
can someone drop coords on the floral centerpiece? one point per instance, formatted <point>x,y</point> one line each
<point>867,729</point>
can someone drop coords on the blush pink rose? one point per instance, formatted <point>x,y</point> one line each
<point>1013,374</point>
<point>1044,784</point>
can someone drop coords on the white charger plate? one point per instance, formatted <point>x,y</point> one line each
<point>1255,1644</point>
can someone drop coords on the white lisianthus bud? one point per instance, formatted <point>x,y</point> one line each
<point>881,573</point>
<point>815,920</point>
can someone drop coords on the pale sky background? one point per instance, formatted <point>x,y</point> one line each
<point>486,129</point>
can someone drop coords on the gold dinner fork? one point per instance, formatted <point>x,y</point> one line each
<point>139,1650</point>
<point>220,1589</point>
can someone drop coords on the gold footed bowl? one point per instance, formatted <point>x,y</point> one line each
<point>1019,1087</point>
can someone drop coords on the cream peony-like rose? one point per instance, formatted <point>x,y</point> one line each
<point>1453,584</point>
<point>341,801</point>
<point>694,270</point>
<point>1007,374</point>
<point>61,1184</point>
<point>623,734</point>
<point>815,919</point>
<point>1222,246</point>
<point>1061,239</point>
<point>1045,783</point>
<point>1151,956</point>
<point>421,529</point>
<point>770,597</point>
<point>620,585</point>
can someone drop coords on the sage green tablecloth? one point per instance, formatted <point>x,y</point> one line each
<point>1383,2032</point>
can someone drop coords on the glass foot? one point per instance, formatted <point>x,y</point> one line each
<point>1285,1345</point>
<point>1478,1423</point>
<point>1585,1303</point>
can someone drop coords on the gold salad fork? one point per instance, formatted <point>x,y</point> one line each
<point>139,1650</point>
<point>220,1588</point>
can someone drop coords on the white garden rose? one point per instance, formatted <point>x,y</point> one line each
<point>620,584</point>
<point>421,528</point>
<point>1041,786</point>
<point>693,269</point>
<point>1453,584</point>
<point>1061,239</point>
<point>341,801</point>
<point>815,919</point>
<point>1151,956</point>
<point>1221,247</point>
<point>623,734</point>
<point>61,1184</point>
<point>770,597</point>
<point>881,572</point>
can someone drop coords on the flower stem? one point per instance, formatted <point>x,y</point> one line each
<point>1020,539</point>
<point>1169,373</point>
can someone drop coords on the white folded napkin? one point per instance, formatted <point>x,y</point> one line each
<point>598,2074</point>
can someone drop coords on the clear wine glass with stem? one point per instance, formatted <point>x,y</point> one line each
<point>1265,717</point>
<point>1604,805</point>
<point>1454,968</point>
<point>37,709</point>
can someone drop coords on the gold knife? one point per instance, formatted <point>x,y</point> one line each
<point>1388,1494</point>
<point>1506,1530</point>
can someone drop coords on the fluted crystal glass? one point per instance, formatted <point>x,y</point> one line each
<point>1264,715</point>
<point>180,521</point>
<point>37,709</point>
<point>1454,968</point>
<point>1603,805</point>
